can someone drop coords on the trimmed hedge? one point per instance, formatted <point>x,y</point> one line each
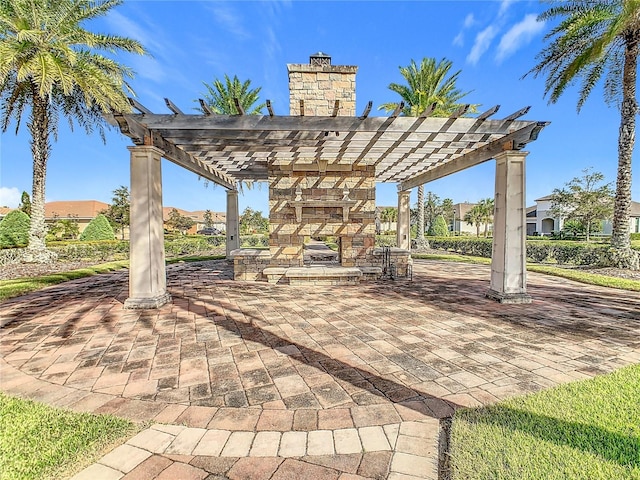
<point>254,241</point>
<point>14,229</point>
<point>539,251</point>
<point>386,241</point>
<point>98,229</point>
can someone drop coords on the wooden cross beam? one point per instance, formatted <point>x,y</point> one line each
<point>138,106</point>
<point>397,110</point>
<point>172,106</point>
<point>488,113</point>
<point>367,110</point>
<point>205,108</point>
<point>518,114</point>
<point>239,108</point>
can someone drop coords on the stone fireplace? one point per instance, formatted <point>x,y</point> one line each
<point>325,197</point>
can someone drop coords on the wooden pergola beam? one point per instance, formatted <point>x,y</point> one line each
<point>173,107</point>
<point>513,141</point>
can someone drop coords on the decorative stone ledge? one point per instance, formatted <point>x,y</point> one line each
<point>300,204</point>
<point>513,298</point>
<point>323,275</point>
<point>147,302</point>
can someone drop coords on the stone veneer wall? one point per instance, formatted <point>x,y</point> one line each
<point>319,190</point>
<point>320,87</point>
<point>357,233</point>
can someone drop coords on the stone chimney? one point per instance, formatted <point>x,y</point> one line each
<point>319,84</point>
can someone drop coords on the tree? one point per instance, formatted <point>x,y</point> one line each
<point>486,207</point>
<point>440,227</point>
<point>25,204</point>
<point>118,213</point>
<point>446,208</point>
<point>65,228</point>
<point>179,222</point>
<point>595,39</point>
<point>50,66</point>
<point>252,221</point>
<point>389,214</point>
<point>427,85</point>
<point>585,200</point>
<point>208,219</point>
<point>220,97</point>
<point>421,218</point>
<point>14,229</point>
<point>475,216</point>
<point>431,210</point>
<point>98,229</point>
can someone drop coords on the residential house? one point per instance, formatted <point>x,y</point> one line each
<point>541,221</point>
<point>219,219</point>
<point>384,225</point>
<point>81,211</point>
<point>4,211</point>
<point>459,226</point>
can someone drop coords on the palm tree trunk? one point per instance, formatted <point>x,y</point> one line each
<point>620,236</point>
<point>40,149</point>
<point>421,212</point>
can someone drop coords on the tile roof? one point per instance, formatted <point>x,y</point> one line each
<point>81,209</point>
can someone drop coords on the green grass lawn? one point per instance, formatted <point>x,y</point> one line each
<point>572,274</point>
<point>40,442</point>
<point>586,430</point>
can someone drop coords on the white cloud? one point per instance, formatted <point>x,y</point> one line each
<point>481,44</point>
<point>504,6</point>
<point>469,21</point>
<point>458,41</point>
<point>519,35</point>
<point>229,20</point>
<point>10,197</point>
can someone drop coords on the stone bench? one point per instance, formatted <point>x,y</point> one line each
<point>371,273</point>
<point>323,275</point>
<point>274,274</point>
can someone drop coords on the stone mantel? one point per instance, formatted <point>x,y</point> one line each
<point>300,204</point>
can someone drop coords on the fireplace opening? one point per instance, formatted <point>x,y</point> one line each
<point>322,251</point>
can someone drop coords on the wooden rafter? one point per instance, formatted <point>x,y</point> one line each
<point>402,149</point>
<point>173,107</point>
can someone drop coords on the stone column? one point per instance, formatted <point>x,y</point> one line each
<point>403,229</point>
<point>508,262</point>
<point>147,274</point>
<point>233,222</point>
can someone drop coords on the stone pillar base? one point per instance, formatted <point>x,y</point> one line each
<point>149,302</point>
<point>502,297</point>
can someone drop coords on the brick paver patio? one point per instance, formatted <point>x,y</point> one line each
<point>261,381</point>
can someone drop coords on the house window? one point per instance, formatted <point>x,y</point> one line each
<point>637,224</point>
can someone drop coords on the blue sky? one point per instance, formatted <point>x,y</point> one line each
<point>494,43</point>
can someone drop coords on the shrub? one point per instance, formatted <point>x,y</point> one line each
<point>91,251</point>
<point>386,241</point>
<point>479,247</point>
<point>254,241</point>
<point>14,229</point>
<point>439,227</point>
<point>98,229</point>
<point>635,236</point>
<point>539,251</point>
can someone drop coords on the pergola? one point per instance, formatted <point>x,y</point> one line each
<point>408,151</point>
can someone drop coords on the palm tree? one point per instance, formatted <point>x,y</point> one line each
<point>389,214</point>
<point>486,207</point>
<point>595,39</point>
<point>476,217</point>
<point>427,84</point>
<point>49,66</point>
<point>220,97</point>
